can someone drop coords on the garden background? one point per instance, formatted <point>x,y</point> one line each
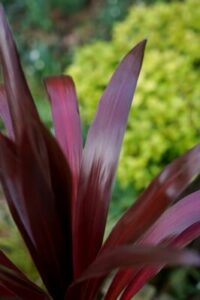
<point>86,39</point>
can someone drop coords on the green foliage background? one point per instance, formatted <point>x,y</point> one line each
<point>164,120</point>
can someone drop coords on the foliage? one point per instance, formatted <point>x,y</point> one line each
<point>58,191</point>
<point>166,111</point>
<point>112,11</point>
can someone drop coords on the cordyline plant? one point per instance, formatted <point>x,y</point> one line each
<point>58,191</point>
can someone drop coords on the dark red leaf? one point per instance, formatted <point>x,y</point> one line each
<point>11,282</point>
<point>62,95</point>
<point>33,207</point>
<point>5,113</point>
<point>163,190</point>
<point>146,274</point>
<point>23,114</point>
<point>174,220</point>
<point>100,157</point>
<point>178,223</point>
<point>48,188</point>
<point>138,255</point>
<point>14,282</point>
<point>119,282</point>
<point>184,229</point>
<point>21,106</point>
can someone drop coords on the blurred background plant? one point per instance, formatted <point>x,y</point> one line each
<point>87,38</point>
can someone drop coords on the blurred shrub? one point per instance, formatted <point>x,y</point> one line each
<point>164,121</point>
<point>111,11</point>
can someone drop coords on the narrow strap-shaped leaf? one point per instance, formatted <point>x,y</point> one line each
<point>7,267</point>
<point>53,241</point>
<point>184,228</point>
<point>5,113</point>
<point>34,209</point>
<point>67,124</point>
<point>23,114</point>
<point>138,256</point>
<point>9,163</point>
<point>119,282</point>
<point>21,106</point>
<point>146,274</point>
<point>20,286</point>
<point>174,220</point>
<point>170,226</point>
<point>163,190</point>
<point>100,157</point>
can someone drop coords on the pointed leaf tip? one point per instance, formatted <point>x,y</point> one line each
<point>100,157</point>
<point>140,47</point>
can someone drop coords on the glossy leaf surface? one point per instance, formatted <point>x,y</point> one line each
<point>162,192</point>
<point>65,112</point>
<point>176,224</point>
<point>146,274</point>
<point>100,157</point>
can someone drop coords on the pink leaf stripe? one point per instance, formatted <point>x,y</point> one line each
<point>100,158</point>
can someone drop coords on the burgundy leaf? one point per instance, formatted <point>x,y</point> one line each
<point>20,102</point>
<point>138,255</point>
<point>163,190</point>
<point>9,163</point>
<point>178,223</point>
<point>5,113</point>
<point>29,195</point>
<point>23,114</point>
<point>7,272</point>
<point>51,176</point>
<point>174,220</point>
<point>11,282</point>
<point>146,274</point>
<point>124,277</point>
<point>100,157</point>
<point>119,282</point>
<point>62,95</point>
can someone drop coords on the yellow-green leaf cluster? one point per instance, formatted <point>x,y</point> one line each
<point>165,118</point>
